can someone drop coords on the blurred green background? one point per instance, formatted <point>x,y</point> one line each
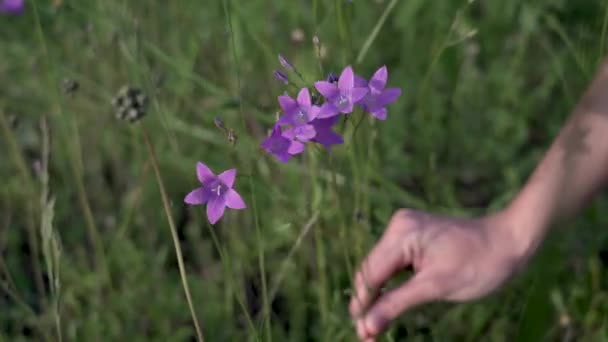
<point>86,252</point>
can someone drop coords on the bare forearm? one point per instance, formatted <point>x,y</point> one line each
<point>574,168</point>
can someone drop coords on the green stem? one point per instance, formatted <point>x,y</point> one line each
<point>260,245</point>
<point>178,249</point>
<point>372,36</point>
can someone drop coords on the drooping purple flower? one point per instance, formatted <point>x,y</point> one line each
<point>298,112</point>
<point>324,134</point>
<point>285,63</point>
<point>12,6</point>
<point>215,191</point>
<point>342,97</point>
<point>281,77</point>
<point>281,147</point>
<point>379,97</point>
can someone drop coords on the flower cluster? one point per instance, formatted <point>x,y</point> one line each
<point>305,120</point>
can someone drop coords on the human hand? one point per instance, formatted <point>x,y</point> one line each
<point>453,259</point>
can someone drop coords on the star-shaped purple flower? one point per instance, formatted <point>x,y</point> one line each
<point>378,98</point>
<point>281,147</point>
<point>216,192</point>
<point>12,6</point>
<point>340,98</point>
<point>297,112</point>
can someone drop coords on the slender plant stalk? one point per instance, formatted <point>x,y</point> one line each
<point>283,268</point>
<point>75,159</point>
<point>50,242</point>
<point>20,163</point>
<point>224,260</point>
<point>260,242</point>
<point>374,33</point>
<point>178,249</point>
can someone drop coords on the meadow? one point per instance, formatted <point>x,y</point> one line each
<point>95,238</point>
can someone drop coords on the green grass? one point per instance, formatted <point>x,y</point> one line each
<point>86,249</point>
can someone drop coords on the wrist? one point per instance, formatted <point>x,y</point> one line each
<point>525,223</point>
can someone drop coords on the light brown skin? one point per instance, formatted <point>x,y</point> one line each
<point>458,259</point>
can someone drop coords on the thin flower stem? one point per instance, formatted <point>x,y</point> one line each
<point>374,33</point>
<point>261,257</point>
<point>30,189</point>
<point>50,246</point>
<point>178,249</point>
<point>224,260</point>
<point>283,268</point>
<point>74,157</point>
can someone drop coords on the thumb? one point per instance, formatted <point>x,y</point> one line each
<point>418,290</point>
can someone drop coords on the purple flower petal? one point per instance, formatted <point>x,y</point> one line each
<point>203,172</point>
<point>12,6</point>
<point>313,112</point>
<point>378,81</point>
<point>215,209</point>
<point>227,177</point>
<point>296,147</point>
<point>284,120</point>
<point>388,96</point>
<point>234,200</point>
<point>304,98</point>
<point>358,94</point>
<point>328,110</point>
<point>347,79</point>
<point>360,82</point>
<point>379,114</point>
<point>195,197</point>
<point>289,133</point>
<point>324,135</point>
<point>287,103</point>
<point>328,90</point>
<point>302,133</point>
<point>283,157</point>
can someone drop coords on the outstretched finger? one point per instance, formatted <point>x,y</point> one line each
<point>386,258</point>
<point>418,290</point>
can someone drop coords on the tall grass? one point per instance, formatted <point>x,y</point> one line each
<point>85,253</point>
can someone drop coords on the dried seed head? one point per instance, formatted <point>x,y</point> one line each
<point>130,104</point>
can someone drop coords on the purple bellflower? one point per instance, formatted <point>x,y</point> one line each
<point>12,6</point>
<point>379,96</point>
<point>281,77</point>
<point>216,192</point>
<point>285,63</point>
<point>280,146</point>
<point>342,97</point>
<point>298,112</point>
